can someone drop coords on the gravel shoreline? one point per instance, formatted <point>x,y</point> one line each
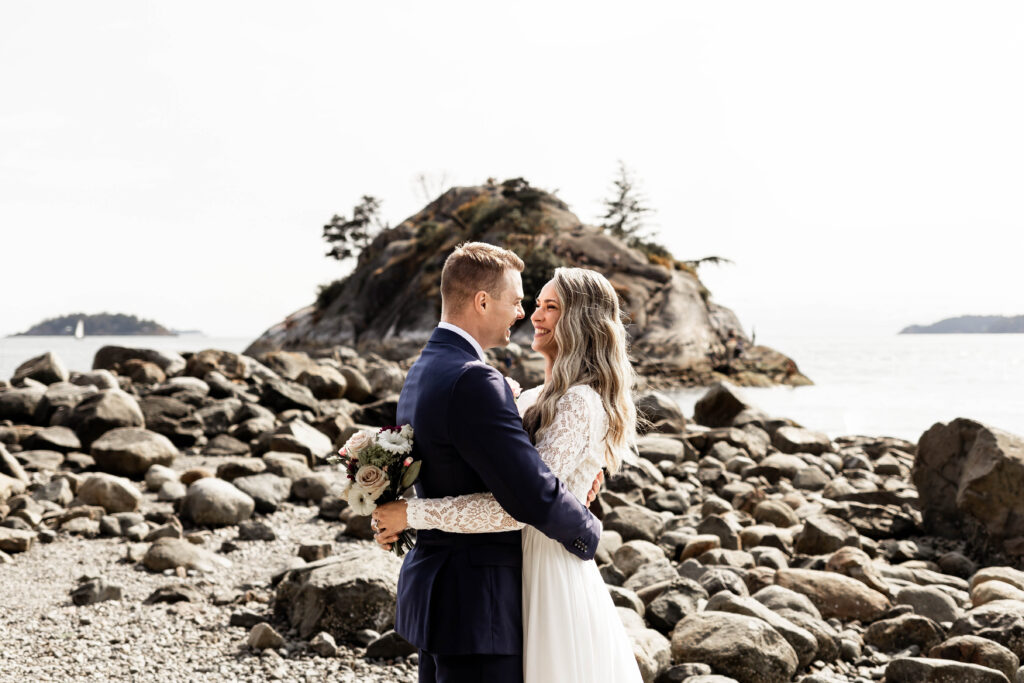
<point>47,638</point>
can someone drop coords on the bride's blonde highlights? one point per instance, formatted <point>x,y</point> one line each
<point>592,350</point>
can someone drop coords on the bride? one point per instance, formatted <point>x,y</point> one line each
<point>581,419</point>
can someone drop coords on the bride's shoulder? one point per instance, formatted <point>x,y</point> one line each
<point>531,393</point>
<point>584,392</point>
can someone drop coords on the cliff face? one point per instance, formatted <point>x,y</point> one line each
<point>391,302</point>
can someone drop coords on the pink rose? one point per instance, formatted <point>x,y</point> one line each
<point>516,389</point>
<point>372,480</point>
<point>358,443</point>
<point>407,461</point>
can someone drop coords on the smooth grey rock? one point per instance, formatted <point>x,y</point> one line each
<point>215,502</point>
<point>131,451</point>
<point>102,412</point>
<point>95,590</point>
<point>342,594</point>
<point>743,647</point>
<point>267,490</point>
<point>920,670</point>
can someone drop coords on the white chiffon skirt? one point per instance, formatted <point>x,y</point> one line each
<point>571,630</point>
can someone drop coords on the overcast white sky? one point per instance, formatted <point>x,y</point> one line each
<point>862,163</point>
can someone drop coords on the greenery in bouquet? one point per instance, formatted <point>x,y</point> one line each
<point>381,468</point>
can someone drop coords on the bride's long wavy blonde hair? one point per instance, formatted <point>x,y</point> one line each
<point>592,350</point>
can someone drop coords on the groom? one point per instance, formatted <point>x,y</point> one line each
<point>460,595</point>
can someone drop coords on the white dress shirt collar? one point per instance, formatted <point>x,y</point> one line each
<point>465,335</point>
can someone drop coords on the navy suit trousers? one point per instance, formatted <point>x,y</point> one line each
<point>470,668</point>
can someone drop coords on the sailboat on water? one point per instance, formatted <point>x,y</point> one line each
<point>80,329</point>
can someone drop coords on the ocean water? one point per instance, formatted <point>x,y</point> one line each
<point>895,385</point>
<point>77,354</point>
<point>882,385</point>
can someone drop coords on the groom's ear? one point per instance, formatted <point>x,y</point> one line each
<point>480,301</point>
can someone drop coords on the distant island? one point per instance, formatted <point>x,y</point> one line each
<point>971,324</point>
<point>105,324</point>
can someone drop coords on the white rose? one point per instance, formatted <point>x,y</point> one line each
<point>373,480</point>
<point>406,432</point>
<point>357,443</point>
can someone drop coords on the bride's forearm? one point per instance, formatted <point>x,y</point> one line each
<point>469,514</point>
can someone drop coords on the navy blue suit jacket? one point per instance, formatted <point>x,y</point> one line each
<point>462,593</point>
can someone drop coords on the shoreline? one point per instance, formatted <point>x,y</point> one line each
<point>724,514</point>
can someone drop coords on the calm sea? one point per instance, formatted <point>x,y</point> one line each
<point>895,385</point>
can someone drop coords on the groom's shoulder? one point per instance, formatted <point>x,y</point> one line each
<point>476,378</point>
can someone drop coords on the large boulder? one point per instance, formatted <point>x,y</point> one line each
<point>113,494</point>
<point>922,670</point>
<point>981,651</point>
<point>341,594</point>
<point>20,405</point>
<point>267,490</point>
<point>634,522</point>
<point>171,553</point>
<point>804,644</point>
<point>903,631</point>
<point>15,540</point>
<point>1000,620</point>
<point>131,451</point>
<point>56,438</point>
<point>822,534</point>
<point>324,381</point>
<point>969,477</point>
<point>173,418</point>
<point>9,487</point>
<point>99,413</point>
<point>835,595</point>
<point>799,440</point>
<point>743,647</point>
<point>215,502</point>
<point>280,395</point>
<point>230,365</point>
<point>719,405</point>
<point>115,357</point>
<point>298,437</point>
<point>46,368</point>
<point>929,601</point>
<point>660,409</point>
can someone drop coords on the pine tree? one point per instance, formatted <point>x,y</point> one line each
<point>626,208</point>
<point>348,237</point>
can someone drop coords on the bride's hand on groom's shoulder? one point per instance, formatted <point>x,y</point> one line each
<point>389,520</point>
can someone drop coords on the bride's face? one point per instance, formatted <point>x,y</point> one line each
<point>544,319</point>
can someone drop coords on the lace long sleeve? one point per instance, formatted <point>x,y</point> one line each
<point>562,447</point>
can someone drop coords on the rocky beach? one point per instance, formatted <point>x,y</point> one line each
<point>172,517</point>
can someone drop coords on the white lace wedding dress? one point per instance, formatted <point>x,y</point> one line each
<point>571,630</point>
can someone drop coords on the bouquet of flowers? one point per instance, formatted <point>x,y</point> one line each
<point>381,469</point>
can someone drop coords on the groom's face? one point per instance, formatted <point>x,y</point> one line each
<point>503,309</point>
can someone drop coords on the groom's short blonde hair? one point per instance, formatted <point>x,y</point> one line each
<point>475,267</point>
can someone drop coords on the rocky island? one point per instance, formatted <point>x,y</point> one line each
<point>113,324</point>
<point>391,302</point>
<point>971,324</point>
<point>171,517</point>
